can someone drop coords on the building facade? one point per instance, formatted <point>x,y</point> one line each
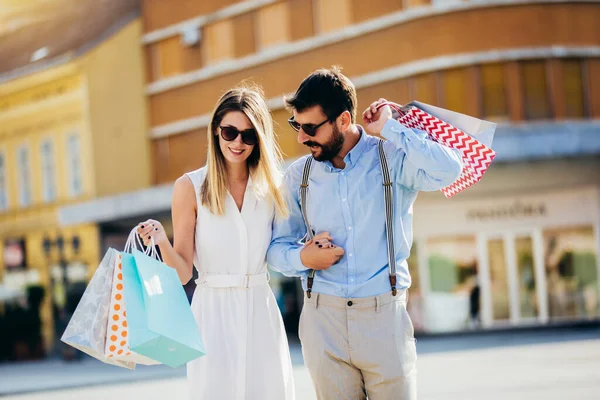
<point>70,131</point>
<point>521,247</point>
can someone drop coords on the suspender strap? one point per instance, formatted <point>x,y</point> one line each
<point>309,231</point>
<point>389,215</point>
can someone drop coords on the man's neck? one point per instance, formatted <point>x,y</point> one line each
<point>351,138</point>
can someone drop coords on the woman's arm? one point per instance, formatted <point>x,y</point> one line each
<point>180,255</point>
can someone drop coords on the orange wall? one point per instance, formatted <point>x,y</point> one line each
<point>505,27</point>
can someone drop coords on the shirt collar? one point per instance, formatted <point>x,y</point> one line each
<point>354,154</point>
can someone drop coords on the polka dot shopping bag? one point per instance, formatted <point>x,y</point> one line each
<point>117,337</point>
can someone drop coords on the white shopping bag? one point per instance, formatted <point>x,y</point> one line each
<point>87,328</point>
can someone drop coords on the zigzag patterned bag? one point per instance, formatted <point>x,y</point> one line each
<point>457,131</point>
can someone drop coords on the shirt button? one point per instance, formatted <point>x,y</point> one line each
<point>343,174</point>
<point>349,228</point>
<point>350,255</point>
<point>349,304</point>
<point>344,200</point>
<point>351,279</point>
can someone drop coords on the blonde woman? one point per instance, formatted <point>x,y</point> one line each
<point>222,221</point>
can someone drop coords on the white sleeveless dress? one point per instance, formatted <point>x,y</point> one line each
<point>247,354</point>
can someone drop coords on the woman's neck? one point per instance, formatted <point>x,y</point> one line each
<point>237,173</point>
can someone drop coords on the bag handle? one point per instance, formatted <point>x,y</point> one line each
<point>134,243</point>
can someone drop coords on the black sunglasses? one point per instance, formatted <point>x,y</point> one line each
<point>230,133</point>
<point>309,129</point>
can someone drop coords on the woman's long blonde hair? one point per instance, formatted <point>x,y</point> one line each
<point>264,163</point>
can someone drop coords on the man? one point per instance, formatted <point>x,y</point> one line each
<point>357,337</point>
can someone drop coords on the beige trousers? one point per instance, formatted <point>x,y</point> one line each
<point>355,348</point>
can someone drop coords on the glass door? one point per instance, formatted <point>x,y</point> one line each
<point>513,278</point>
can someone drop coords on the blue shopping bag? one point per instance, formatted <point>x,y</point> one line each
<point>160,320</point>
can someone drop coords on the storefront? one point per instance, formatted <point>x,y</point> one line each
<point>508,260</point>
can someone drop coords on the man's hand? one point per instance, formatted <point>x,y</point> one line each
<point>376,115</point>
<point>320,253</point>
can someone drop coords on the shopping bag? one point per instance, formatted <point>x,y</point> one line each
<point>471,136</point>
<point>117,340</point>
<point>87,328</point>
<point>160,320</point>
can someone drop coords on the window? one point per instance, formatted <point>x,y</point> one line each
<point>219,39</point>
<point>456,90</point>
<point>48,171</point>
<point>3,183</point>
<point>273,25</point>
<point>74,165</point>
<point>493,96</point>
<point>24,176</point>
<point>454,299</point>
<point>332,15</point>
<point>423,88</point>
<point>498,279</point>
<point>573,85</point>
<point>572,272</point>
<point>537,100</point>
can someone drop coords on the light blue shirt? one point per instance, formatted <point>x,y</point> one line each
<point>349,204</point>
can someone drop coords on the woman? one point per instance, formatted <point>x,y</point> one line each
<point>222,217</point>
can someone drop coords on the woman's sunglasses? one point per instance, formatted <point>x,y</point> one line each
<point>230,133</point>
<point>309,129</point>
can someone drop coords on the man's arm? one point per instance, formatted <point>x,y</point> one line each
<point>283,254</point>
<point>286,254</point>
<point>421,164</point>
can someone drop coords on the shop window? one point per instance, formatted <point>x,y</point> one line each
<point>498,280</point>
<point>572,272</point>
<point>572,72</point>
<point>493,92</point>
<point>528,300</point>
<point>454,299</point>
<point>273,25</point>
<point>48,170</point>
<point>415,299</point>
<point>24,176</point>
<point>535,90</point>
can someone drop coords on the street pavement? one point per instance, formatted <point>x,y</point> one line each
<point>554,364</point>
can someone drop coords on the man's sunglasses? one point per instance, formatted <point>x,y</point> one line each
<point>309,129</point>
<point>230,133</point>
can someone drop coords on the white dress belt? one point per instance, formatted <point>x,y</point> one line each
<point>231,280</point>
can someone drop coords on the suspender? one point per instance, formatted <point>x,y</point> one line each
<point>389,215</point>
<point>309,231</point>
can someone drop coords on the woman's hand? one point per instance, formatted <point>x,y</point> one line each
<point>152,229</point>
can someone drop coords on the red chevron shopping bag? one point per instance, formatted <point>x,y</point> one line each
<point>471,136</point>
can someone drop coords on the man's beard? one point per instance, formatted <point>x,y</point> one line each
<point>330,149</point>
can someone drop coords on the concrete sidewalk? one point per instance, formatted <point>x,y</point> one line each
<point>49,375</point>
<point>37,376</point>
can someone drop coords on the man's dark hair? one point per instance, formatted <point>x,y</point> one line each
<point>327,88</point>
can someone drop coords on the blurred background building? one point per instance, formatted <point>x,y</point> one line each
<point>519,248</point>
